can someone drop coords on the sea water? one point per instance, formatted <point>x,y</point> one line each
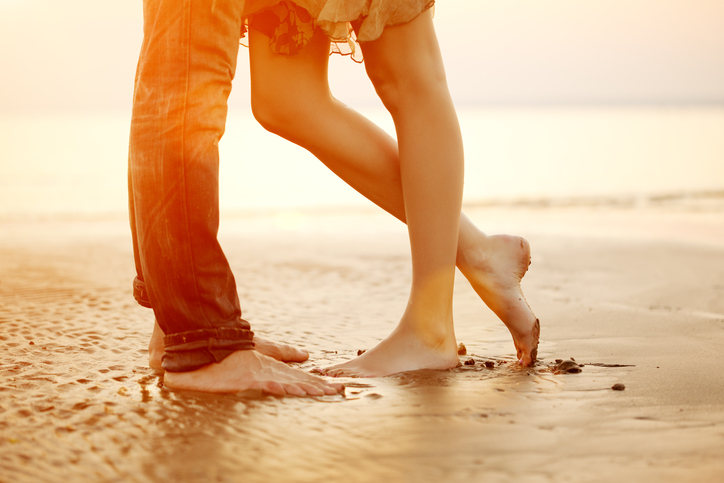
<point>75,164</point>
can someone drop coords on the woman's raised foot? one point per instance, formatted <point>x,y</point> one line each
<point>494,266</point>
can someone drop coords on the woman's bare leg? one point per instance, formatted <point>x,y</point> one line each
<point>291,97</point>
<point>406,69</point>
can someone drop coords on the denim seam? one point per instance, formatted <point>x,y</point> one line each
<point>187,40</point>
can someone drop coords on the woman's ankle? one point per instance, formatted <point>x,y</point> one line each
<point>432,332</point>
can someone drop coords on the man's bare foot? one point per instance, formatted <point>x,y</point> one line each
<point>279,351</point>
<point>275,350</point>
<point>494,266</point>
<point>250,370</point>
<point>156,348</point>
<point>405,349</point>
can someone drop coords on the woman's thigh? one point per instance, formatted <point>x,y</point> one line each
<point>287,82</point>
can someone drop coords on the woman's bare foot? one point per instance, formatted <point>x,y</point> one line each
<point>405,349</point>
<point>250,370</point>
<point>494,266</point>
<point>275,350</point>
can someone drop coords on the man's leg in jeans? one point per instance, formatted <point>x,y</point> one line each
<point>184,77</point>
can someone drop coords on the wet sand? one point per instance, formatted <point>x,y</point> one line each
<point>634,294</point>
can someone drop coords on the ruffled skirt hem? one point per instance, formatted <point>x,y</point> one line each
<point>289,25</point>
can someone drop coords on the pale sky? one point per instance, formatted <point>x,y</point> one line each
<point>81,54</point>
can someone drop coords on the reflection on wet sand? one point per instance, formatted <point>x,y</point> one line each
<point>79,403</point>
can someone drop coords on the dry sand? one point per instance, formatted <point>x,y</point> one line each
<point>641,287</point>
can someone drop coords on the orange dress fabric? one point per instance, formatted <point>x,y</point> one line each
<point>289,25</point>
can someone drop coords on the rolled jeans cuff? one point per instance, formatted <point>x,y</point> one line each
<point>188,351</point>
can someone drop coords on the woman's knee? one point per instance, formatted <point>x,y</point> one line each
<point>401,78</point>
<point>270,110</point>
<point>405,64</point>
<point>289,111</point>
<point>399,89</point>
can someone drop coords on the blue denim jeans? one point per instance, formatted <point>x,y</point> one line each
<point>187,63</point>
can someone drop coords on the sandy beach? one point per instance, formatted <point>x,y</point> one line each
<point>633,292</point>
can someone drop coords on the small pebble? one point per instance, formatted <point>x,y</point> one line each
<point>489,364</point>
<point>558,361</point>
<point>360,352</point>
<point>567,367</point>
<point>31,343</point>
<point>470,362</point>
<point>618,387</point>
<point>462,350</point>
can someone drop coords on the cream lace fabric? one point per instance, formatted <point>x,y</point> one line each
<point>289,25</point>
